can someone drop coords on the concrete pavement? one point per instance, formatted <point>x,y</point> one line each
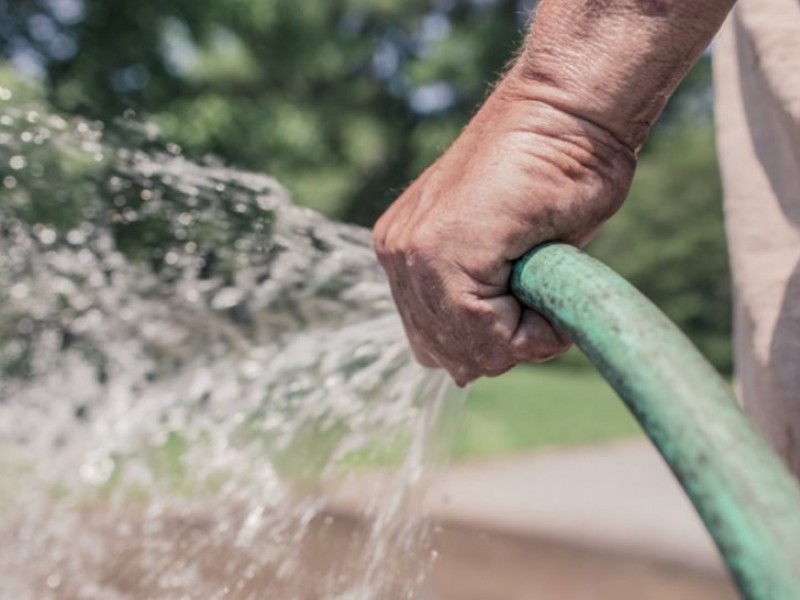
<point>616,498</point>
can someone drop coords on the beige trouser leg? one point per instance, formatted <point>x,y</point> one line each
<point>757,87</point>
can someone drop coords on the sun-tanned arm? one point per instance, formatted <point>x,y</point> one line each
<point>549,156</point>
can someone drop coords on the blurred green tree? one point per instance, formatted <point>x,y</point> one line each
<point>345,101</point>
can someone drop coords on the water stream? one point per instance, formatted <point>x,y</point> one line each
<point>190,367</point>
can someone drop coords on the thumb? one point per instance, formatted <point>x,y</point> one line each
<point>537,340</point>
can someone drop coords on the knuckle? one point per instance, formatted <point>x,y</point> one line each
<point>381,247</point>
<point>482,320</point>
<point>423,241</point>
<point>379,239</point>
<point>487,356</point>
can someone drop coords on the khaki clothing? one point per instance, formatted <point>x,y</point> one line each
<point>757,87</point>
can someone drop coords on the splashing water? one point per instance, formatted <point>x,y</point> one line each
<point>190,366</point>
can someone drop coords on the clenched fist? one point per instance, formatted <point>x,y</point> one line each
<point>522,173</point>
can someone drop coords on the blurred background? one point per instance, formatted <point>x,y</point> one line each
<point>345,102</point>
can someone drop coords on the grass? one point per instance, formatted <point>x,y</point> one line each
<point>534,407</point>
<point>529,408</point>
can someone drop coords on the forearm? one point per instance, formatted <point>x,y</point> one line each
<point>614,63</point>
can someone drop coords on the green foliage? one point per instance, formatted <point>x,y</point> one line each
<point>323,95</point>
<point>535,407</point>
<point>345,101</point>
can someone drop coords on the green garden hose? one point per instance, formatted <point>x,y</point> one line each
<point>744,494</point>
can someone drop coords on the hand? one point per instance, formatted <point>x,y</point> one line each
<point>522,173</point>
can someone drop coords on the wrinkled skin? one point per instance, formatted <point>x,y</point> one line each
<point>548,157</point>
<point>522,173</point>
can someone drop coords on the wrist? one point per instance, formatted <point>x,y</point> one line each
<point>538,145</point>
<point>615,65</point>
<point>535,107</point>
<point>609,111</point>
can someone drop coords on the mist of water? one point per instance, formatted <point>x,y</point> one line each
<point>190,367</point>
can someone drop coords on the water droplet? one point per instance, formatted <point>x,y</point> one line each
<point>9,182</point>
<point>17,162</point>
<point>97,469</point>
<point>19,291</point>
<point>46,235</point>
<point>56,122</point>
<point>25,327</point>
<point>227,297</point>
<point>5,94</point>
<point>41,137</point>
<point>76,237</point>
<point>151,130</point>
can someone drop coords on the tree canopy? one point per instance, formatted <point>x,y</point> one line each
<point>345,101</point>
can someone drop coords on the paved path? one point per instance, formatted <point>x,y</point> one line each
<point>618,497</point>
